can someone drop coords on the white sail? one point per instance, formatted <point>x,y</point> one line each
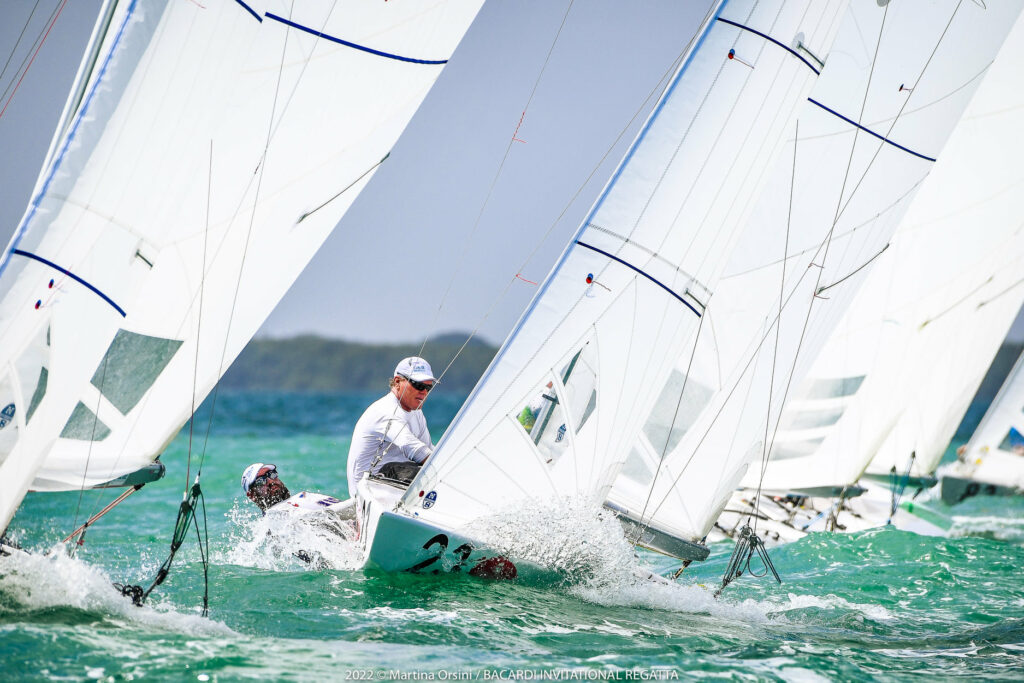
<point>994,455</point>
<point>893,87</point>
<point>557,410</point>
<point>898,374</point>
<point>216,147</point>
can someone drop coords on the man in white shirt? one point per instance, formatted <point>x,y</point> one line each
<point>391,438</point>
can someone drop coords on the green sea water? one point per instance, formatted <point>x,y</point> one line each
<point>881,604</point>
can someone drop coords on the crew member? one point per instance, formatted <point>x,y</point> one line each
<point>391,438</point>
<point>263,487</point>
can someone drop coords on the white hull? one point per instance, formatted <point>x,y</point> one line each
<point>397,542</point>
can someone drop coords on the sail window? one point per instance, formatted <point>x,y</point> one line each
<point>562,406</point>
<point>131,365</point>
<point>795,449</point>
<point>811,419</point>
<point>679,404</point>
<point>37,395</point>
<point>638,467</point>
<point>579,377</point>
<point>83,425</point>
<point>835,388</point>
<point>33,373</point>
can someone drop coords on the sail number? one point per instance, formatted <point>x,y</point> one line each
<point>440,545</point>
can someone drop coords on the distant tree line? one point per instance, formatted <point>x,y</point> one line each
<point>311,364</point>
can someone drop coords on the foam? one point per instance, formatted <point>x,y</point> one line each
<point>36,582</point>
<point>999,528</point>
<point>273,541</point>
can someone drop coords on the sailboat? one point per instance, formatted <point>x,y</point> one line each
<point>205,153</point>
<point>992,461</point>
<point>900,78</point>
<point>603,337</point>
<point>912,349</point>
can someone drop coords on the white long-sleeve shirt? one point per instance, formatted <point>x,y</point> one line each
<point>386,428</point>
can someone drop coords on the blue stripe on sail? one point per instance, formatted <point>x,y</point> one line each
<point>766,37</point>
<point>67,272</point>
<point>250,10</point>
<point>19,234</point>
<point>868,130</point>
<point>314,32</point>
<point>649,277</point>
<point>565,254</point>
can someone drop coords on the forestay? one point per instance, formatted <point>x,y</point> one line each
<point>563,399</point>
<point>216,146</point>
<point>897,376</point>
<point>893,87</point>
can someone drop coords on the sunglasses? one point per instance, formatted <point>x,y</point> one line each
<point>264,478</point>
<point>418,386</point>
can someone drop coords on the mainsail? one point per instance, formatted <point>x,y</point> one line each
<point>894,380</point>
<point>214,148</point>
<point>557,410</point>
<point>894,85</point>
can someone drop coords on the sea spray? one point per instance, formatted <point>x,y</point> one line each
<point>35,582</point>
<point>286,541</point>
<point>572,537</point>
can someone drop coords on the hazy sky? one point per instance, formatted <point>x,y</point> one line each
<point>444,213</point>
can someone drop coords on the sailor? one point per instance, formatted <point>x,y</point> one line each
<point>263,487</point>
<point>391,438</point>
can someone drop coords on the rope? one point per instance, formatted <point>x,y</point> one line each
<point>747,546</point>
<point>186,518</point>
<point>39,46</point>
<point>898,486</point>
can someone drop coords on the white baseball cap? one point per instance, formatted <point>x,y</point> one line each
<point>253,471</point>
<point>416,369</point>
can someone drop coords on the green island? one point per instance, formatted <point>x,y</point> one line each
<point>313,364</point>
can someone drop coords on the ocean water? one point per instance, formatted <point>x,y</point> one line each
<point>881,604</point>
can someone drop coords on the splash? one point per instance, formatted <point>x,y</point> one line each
<point>998,528</point>
<point>571,537</point>
<point>31,582</point>
<point>289,542</point>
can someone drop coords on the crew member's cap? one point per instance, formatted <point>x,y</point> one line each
<point>252,472</point>
<point>416,369</point>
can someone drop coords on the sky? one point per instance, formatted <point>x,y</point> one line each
<point>434,241</point>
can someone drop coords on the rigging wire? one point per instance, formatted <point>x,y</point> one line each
<point>248,235</point>
<point>39,46</point>
<point>14,49</point>
<point>658,87</point>
<point>766,444</point>
<point>490,190</point>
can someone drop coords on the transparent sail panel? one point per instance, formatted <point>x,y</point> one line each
<point>811,419</point>
<point>83,425</point>
<point>131,365</point>
<point>835,388</point>
<point>38,393</point>
<point>680,403</point>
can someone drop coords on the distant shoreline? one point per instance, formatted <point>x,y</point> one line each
<point>314,364</point>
